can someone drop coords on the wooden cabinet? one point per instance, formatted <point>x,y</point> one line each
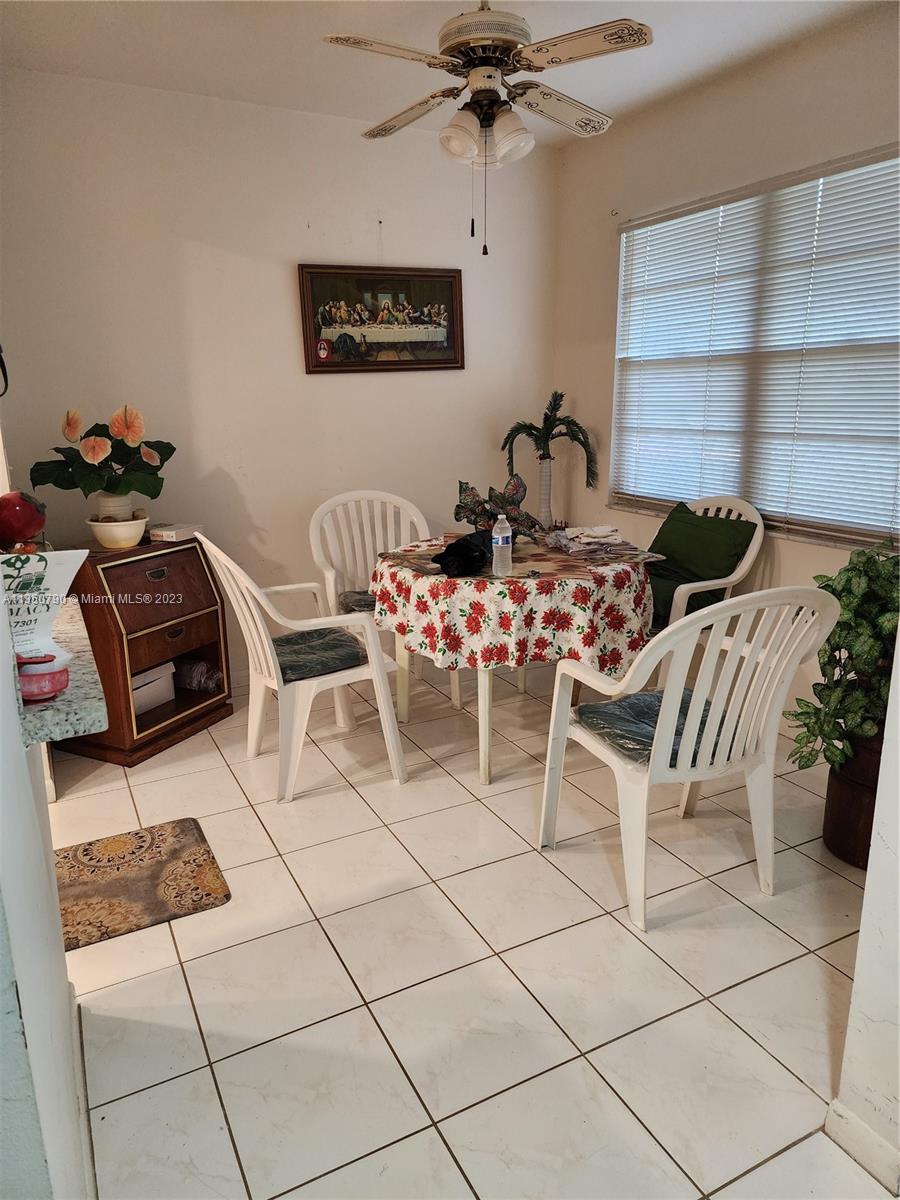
<point>153,604</point>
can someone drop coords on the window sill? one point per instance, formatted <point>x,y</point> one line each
<point>836,539</point>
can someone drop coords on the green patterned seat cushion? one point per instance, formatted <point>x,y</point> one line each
<point>629,724</point>
<point>311,652</point>
<point>351,602</point>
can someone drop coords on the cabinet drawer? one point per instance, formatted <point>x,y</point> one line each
<point>156,588</point>
<point>150,649</point>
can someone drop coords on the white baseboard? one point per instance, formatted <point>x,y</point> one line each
<point>864,1145</point>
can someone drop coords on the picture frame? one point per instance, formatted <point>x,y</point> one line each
<point>381,318</point>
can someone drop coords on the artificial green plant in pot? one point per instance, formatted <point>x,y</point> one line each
<point>109,462</point>
<point>845,722</point>
<point>552,427</point>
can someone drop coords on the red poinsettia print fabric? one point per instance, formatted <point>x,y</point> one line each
<point>599,615</point>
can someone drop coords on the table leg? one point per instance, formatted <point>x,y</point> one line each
<point>485,689</point>
<point>401,657</point>
<point>521,679</point>
<point>456,689</point>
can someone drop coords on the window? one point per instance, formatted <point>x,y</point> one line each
<point>757,355</point>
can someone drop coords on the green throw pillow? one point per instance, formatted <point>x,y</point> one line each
<point>695,548</point>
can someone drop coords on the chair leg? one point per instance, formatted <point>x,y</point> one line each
<point>256,715</point>
<point>690,794</point>
<point>295,707</point>
<point>634,804</point>
<point>521,679</point>
<point>343,708</point>
<point>556,757</point>
<point>389,722</point>
<point>760,783</point>
<point>456,689</point>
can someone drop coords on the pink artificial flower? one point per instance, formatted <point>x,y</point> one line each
<point>149,456</point>
<point>128,424</point>
<point>94,449</point>
<point>72,425</point>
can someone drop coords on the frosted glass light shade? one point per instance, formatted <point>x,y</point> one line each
<point>486,159</point>
<point>460,138</point>
<point>511,138</point>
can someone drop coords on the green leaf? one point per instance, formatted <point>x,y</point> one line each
<point>805,761</point>
<point>834,755</point>
<point>90,478</point>
<point>52,472</point>
<point>868,729</point>
<point>98,430</point>
<point>143,484</point>
<point>520,429</point>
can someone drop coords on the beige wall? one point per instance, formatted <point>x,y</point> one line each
<point>833,95</point>
<point>150,250</point>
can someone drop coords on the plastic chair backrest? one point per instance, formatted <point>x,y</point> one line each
<point>348,532</point>
<point>249,605</point>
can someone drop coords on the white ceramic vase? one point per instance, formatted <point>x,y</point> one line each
<point>108,505</point>
<point>545,515</point>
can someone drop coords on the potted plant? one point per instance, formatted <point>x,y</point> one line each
<point>552,426</point>
<point>109,462</point>
<point>845,722</point>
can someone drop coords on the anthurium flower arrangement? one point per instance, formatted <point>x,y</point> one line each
<point>114,458</point>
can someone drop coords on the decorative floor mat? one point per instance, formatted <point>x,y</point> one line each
<point>130,881</point>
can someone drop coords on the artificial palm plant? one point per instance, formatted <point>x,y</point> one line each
<point>553,425</point>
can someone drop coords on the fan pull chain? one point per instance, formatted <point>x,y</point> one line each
<point>472,207</point>
<point>484,248</point>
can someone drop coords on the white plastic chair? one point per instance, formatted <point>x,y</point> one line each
<point>252,605</point>
<point>729,508</point>
<point>751,647</point>
<point>346,535</point>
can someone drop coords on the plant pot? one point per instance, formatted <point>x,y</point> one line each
<point>545,471</point>
<point>118,535</point>
<point>109,505</point>
<point>850,803</point>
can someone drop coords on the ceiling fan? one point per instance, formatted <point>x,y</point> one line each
<point>484,48</point>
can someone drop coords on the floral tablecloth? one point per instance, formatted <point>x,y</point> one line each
<point>552,606</point>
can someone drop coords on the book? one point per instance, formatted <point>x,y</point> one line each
<point>173,533</point>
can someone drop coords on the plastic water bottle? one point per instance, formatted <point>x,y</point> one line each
<point>501,539</point>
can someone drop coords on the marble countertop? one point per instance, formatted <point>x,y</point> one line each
<point>81,708</point>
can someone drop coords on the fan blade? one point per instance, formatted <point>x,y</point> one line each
<point>413,113</point>
<point>565,111</point>
<point>439,61</point>
<point>584,43</point>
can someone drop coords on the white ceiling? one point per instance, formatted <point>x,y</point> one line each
<point>272,53</point>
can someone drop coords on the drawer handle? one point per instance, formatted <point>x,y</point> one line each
<point>157,573</point>
<point>172,635</point>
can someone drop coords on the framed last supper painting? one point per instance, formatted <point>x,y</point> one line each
<point>381,319</point>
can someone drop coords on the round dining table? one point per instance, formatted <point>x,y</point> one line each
<point>552,605</point>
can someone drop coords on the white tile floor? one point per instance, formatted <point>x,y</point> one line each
<point>404,1000</point>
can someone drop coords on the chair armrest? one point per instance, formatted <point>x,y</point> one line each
<point>589,677</point>
<point>684,591</point>
<point>314,588</point>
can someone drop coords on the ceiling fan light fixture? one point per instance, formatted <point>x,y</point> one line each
<point>460,138</point>
<point>486,159</point>
<point>512,139</point>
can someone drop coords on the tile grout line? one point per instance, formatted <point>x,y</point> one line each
<point>493,953</point>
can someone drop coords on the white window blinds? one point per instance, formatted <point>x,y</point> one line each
<point>757,355</point>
